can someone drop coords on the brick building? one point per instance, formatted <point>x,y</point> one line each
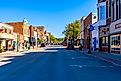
<point>32,37</point>
<point>104,24</point>
<point>89,20</point>
<point>22,31</point>
<point>115,26</point>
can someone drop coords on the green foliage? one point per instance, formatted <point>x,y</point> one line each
<point>68,32</point>
<point>55,40</point>
<point>40,40</point>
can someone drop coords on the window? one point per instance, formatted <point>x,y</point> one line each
<point>115,41</point>
<point>98,12</point>
<point>104,32</point>
<point>103,41</point>
<point>106,41</point>
<point>120,8</point>
<point>5,30</point>
<point>10,32</point>
<point>113,10</point>
<point>117,9</point>
<point>109,8</point>
<point>102,13</point>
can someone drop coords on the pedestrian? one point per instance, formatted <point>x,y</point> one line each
<point>28,46</point>
<point>80,48</point>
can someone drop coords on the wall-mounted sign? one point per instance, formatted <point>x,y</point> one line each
<point>101,1</point>
<point>117,26</point>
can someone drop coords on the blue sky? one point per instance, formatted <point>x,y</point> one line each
<point>53,14</point>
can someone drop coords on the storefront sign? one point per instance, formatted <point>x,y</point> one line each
<point>117,26</point>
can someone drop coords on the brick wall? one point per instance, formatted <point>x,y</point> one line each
<point>31,31</point>
<point>17,27</point>
<point>87,22</point>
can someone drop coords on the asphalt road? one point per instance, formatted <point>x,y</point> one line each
<point>59,64</point>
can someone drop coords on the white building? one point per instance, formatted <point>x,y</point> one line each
<point>95,36</point>
<point>6,36</point>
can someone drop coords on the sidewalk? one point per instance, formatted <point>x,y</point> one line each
<point>108,57</point>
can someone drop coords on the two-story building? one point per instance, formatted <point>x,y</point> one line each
<point>21,29</point>
<point>6,37</point>
<point>89,20</point>
<point>115,26</point>
<point>104,24</point>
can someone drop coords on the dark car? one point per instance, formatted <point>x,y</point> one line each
<point>43,45</point>
<point>70,47</point>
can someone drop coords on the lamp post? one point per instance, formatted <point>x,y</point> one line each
<point>17,42</point>
<point>89,51</point>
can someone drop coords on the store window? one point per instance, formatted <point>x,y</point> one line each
<point>106,41</point>
<point>115,41</point>
<point>103,41</point>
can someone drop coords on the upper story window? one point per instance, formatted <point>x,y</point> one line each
<point>102,15</point>
<point>109,8</point>
<point>116,9</point>
<point>120,8</point>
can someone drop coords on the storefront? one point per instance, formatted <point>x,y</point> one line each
<point>115,37</point>
<point>6,37</point>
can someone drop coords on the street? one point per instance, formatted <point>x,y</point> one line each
<point>55,63</point>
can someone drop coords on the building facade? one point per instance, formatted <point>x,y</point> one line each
<point>89,20</point>
<point>115,26</point>
<point>82,31</point>
<point>6,37</point>
<point>104,24</point>
<point>21,30</point>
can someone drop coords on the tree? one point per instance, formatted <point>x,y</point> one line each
<point>68,32</point>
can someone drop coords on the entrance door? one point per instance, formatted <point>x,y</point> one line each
<point>100,44</point>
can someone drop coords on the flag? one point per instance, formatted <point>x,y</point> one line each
<point>91,28</point>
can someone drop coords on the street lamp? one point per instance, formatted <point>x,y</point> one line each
<point>17,42</point>
<point>89,51</point>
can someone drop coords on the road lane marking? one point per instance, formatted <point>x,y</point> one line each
<point>82,66</point>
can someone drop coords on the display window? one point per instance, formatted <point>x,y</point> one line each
<point>115,42</point>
